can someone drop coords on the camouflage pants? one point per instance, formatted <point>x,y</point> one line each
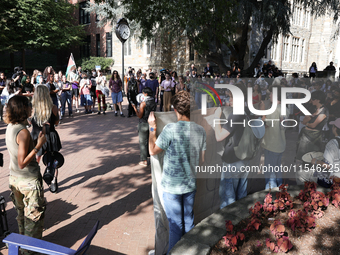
<point>29,202</point>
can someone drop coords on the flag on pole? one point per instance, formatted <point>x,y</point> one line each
<point>71,65</point>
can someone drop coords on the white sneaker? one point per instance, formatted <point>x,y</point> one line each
<point>152,252</point>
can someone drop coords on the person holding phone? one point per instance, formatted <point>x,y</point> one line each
<point>25,180</point>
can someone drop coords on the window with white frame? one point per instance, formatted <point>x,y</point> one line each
<point>285,48</point>
<point>298,14</point>
<point>273,52</point>
<point>302,50</point>
<point>294,50</point>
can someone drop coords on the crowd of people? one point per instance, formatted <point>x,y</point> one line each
<point>49,92</point>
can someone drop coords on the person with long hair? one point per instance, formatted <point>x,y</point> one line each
<point>310,137</point>
<point>116,86</point>
<point>45,112</point>
<point>181,85</point>
<point>34,77</point>
<point>168,85</point>
<point>145,108</point>
<point>312,70</point>
<point>49,71</point>
<point>25,180</point>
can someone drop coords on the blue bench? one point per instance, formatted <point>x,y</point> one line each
<point>16,241</point>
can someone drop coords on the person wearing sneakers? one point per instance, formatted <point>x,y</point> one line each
<point>100,81</point>
<point>146,106</point>
<point>85,95</point>
<point>116,86</point>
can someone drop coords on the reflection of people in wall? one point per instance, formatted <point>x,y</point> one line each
<point>233,186</point>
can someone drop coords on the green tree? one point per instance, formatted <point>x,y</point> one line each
<point>217,27</point>
<point>38,25</point>
<point>91,62</point>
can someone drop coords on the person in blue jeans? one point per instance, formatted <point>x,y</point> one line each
<point>274,141</point>
<point>66,96</point>
<point>233,185</point>
<point>184,144</point>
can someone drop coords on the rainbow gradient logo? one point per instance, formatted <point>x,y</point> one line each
<point>210,94</point>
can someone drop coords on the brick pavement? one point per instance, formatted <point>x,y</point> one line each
<point>101,179</point>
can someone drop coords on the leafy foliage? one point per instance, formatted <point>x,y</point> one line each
<point>300,220</point>
<point>38,25</point>
<point>231,239</point>
<point>282,245</point>
<point>91,62</point>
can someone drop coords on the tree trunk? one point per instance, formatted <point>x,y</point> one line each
<point>244,42</point>
<point>249,71</point>
<point>11,56</point>
<point>23,59</point>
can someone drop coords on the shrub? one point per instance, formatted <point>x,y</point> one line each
<point>90,63</point>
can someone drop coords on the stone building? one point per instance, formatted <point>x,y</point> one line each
<point>311,40</point>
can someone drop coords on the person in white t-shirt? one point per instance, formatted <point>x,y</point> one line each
<point>100,81</point>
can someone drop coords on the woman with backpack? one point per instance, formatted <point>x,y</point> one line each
<point>148,105</point>
<point>45,112</point>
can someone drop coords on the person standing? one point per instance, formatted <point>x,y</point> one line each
<point>168,85</point>
<point>44,111</point>
<point>142,83</point>
<point>3,81</point>
<point>93,88</point>
<point>116,86</point>
<point>274,142</point>
<point>132,91</point>
<point>312,70</point>
<point>25,180</point>
<point>146,107</point>
<point>85,96</point>
<point>184,144</point>
<point>208,70</point>
<point>74,79</point>
<point>100,84</point>
<point>153,84</point>
<point>53,90</point>
<point>66,96</point>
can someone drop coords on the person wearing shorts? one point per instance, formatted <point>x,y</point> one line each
<point>85,95</point>
<point>116,85</point>
<point>100,84</point>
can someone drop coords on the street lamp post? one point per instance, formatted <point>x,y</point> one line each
<point>122,33</point>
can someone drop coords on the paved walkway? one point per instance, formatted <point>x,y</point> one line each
<point>101,179</point>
